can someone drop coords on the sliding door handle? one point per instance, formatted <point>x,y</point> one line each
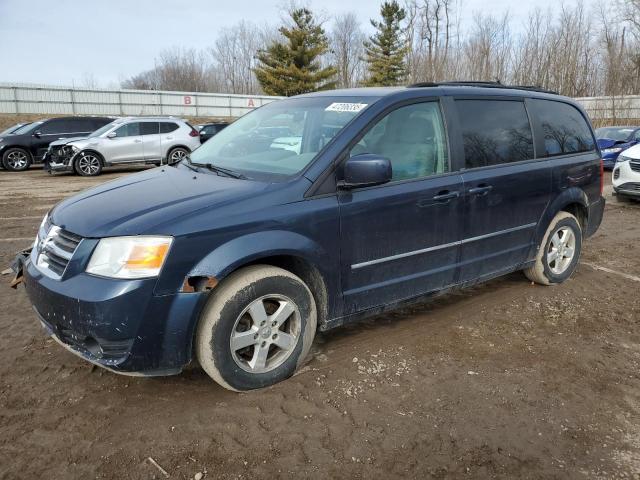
<point>480,190</point>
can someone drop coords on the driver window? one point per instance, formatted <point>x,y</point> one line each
<point>128,130</point>
<point>412,138</point>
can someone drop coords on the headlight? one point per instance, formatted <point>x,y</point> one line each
<point>74,149</point>
<point>129,257</point>
<point>41,230</point>
<point>622,158</point>
<point>612,150</point>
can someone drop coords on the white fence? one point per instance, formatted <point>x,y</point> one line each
<point>612,108</point>
<point>24,98</point>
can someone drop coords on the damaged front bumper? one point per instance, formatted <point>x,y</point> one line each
<point>119,325</point>
<point>59,159</point>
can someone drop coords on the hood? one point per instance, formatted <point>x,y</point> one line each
<point>150,202</point>
<point>608,143</point>
<point>65,141</point>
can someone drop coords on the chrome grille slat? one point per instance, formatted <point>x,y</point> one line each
<point>54,249</point>
<point>635,166</point>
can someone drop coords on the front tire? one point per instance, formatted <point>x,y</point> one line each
<point>559,251</point>
<point>16,160</point>
<point>256,329</point>
<point>88,165</point>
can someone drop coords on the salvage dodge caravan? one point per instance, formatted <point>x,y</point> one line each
<point>309,213</point>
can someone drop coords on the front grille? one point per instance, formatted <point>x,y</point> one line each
<point>635,166</point>
<point>55,249</point>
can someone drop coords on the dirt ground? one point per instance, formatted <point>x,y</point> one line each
<point>507,380</point>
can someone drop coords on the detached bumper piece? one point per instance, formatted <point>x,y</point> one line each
<point>18,267</point>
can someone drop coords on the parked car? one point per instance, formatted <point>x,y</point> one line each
<point>613,140</point>
<point>150,140</point>
<point>626,174</point>
<point>27,145</point>
<point>237,258</point>
<point>13,128</point>
<point>208,130</point>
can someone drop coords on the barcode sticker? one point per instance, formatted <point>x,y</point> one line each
<point>345,107</point>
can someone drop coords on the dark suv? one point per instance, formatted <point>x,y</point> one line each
<point>375,198</point>
<point>27,145</point>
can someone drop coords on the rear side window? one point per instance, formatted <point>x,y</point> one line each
<point>79,125</point>
<point>167,127</point>
<point>494,132</point>
<point>149,128</point>
<point>565,129</point>
<point>55,126</point>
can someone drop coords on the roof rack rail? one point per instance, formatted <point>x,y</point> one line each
<point>495,84</point>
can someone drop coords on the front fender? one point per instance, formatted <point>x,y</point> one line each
<point>245,249</point>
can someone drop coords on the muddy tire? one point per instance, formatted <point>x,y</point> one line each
<point>16,159</point>
<point>559,251</point>
<point>256,328</point>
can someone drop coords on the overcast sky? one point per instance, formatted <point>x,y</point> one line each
<point>62,42</point>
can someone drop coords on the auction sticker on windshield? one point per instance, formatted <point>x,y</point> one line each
<point>345,107</point>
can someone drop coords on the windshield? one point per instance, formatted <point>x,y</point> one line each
<point>618,134</point>
<point>102,130</point>
<point>27,128</point>
<point>281,138</point>
<point>12,129</point>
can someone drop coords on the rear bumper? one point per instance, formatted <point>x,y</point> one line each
<point>596,212</point>
<point>118,325</point>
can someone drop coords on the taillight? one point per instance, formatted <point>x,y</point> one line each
<point>601,176</point>
<point>194,133</point>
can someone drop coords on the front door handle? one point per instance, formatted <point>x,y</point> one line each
<point>445,196</point>
<point>480,190</point>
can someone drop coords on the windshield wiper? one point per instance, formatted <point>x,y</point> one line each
<point>190,165</point>
<point>226,171</point>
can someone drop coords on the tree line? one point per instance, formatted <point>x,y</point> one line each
<point>574,49</point>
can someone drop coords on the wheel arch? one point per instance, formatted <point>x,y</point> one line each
<point>573,201</point>
<point>90,150</point>
<point>173,147</point>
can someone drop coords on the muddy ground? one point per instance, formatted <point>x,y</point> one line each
<point>507,380</point>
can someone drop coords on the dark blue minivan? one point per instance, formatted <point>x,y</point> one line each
<point>309,213</point>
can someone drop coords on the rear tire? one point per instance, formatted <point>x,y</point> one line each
<point>256,329</point>
<point>88,164</point>
<point>559,252</point>
<point>16,159</point>
<point>176,155</point>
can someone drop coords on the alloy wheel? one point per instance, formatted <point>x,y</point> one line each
<point>265,334</point>
<point>89,164</point>
<point>561,250</point>
<point>177,155</point>
<point>17,160</point>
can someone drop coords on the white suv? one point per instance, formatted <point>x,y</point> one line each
<point>626,174</point>
<point>150,140</point>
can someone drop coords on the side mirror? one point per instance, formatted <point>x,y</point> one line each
<point>366,170</point>
<point>37,134</point>
<point>111,135</point>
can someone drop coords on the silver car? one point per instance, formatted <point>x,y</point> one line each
<point>148,140</point>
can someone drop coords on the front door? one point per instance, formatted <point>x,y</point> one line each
<point>506,190</point>
<point>400,240</point>
<point>126,146</point>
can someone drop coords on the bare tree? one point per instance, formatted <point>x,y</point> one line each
<point>347,50</point>
<point>487,50</point>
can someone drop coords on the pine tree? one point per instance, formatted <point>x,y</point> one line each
<point>292,67</point>
<point>386,50</point>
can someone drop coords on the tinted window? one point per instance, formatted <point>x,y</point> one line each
<point>128,130</point>
<point>565,129</point>
<point>97,123</point>
<point>149,128</point>
<point>494,132</point>
<point>54,126</point>
<point>166,127</point>
<point>637,136</point>
<point>208,130</point>
<point>412,138</point>
<point>77,125</point>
